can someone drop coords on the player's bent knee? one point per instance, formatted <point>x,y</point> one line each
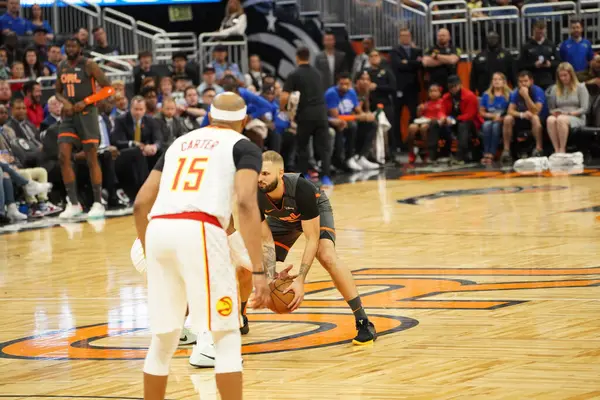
<point>161,350</point>
<point>327,257</point>
<point>228,351</point>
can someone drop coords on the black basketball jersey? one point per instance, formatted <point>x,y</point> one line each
<point>77,83</point>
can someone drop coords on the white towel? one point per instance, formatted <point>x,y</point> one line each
<point>383,126</point>
<point>566,159</point>
<point>532,164</point>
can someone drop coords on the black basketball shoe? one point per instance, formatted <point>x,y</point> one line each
<point>246,328</point>
<point>366,333</point>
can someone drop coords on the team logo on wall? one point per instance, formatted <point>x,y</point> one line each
<point>323,320</point>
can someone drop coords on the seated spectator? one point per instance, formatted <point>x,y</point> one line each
<point>165,89</point>
<point>254,77</point>
<point>539,55</point>
<point>330,62</point>
<point>54,113</point>
<point>491,60</point>
<point>342,100</point>
<point>40,44</point>
<point>192,112</point>
<point>181,83</point>
<point>591,78</point>
<point>493,106</point>
<point>18,72</point>
<point>235,21</point>
<point>101,44</point>
<point>54,58</point>
<point>4,66</point>
<point>143,70</point>
<point>151,97</point>
<point>224,67</point>
<point>38,21</point>
<point>171,125</point>
<point>26,131</point>
<point>5,93</point>
<point>207,98</point>
<point>361,61</point>
<point>209,79</point>
<point>524,113</point>
<point>33,101</point>
<point>432,110</point>
<point>121,106</point>
<point>181,66</point>
<point>32,65</point>
<point>83,35</point>
<point>440,60</point>
<point>149,81</point>
<point>462,108</point>
<point>11,43</point>
<point>577,50</point>
<point>568,103</point>
<point>7,199</point>
<point>119,86</point>
<point>472,4</point>
<point>12,21</point>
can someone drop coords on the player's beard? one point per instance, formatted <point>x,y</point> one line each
<point>270,187</point>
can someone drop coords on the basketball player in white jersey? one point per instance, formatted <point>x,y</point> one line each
<point>180,214</point>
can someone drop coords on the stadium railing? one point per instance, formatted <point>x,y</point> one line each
<point>121,30</point>
<point>454,16</point>
<point>589,13</point>
<point>503,20</point>
<point>164,45</point>
<point>558,16</point>
<point>415,16</point>
<point>237,49</point>
<point>68,16</point>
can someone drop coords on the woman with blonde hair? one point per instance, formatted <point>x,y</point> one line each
<point>493,106</point>
<point>568,103</point>
<point>235,21</point>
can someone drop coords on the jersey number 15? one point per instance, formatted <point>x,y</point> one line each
<point>192,175</point>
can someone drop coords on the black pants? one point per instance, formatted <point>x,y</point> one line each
<point>410,99</point>
<point>357,133</point>
<point>319,130</point>
<point>274,141</point>
<point>288,150</point>
<point>463,131</point>
<point>109,177</point>
<point>132,170</point>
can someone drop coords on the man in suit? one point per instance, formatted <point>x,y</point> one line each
<point>330,62</point>
<point>406,64</point>
<point>54,113</point>
<point>171,126</point>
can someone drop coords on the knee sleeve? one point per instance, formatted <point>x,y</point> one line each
<point>161,350</point>
<point>228,351</point>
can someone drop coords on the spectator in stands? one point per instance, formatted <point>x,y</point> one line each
<point>143,70</point>
<point>148,81</point>
<point>40,43</point>
<point>165,89</point>
<point>361,62</point>
<point>136,129</point>
<point>493,106</point>
<point>524,113</point>
<point>433,111</point>
<point>181,83</point>
<point>440,60</point>
<point>181,66</point>
<point>171,125</point>
<point>207,98</point>
<point>406,63</point>
<point>254,77</point>
<point>32,64</point>
<point>235,21</point>
<point>568,103</point>
<point>14,53</point>
<point>37,21</point>
<point>11,20</point>
<point>54,58</point>
<point>121,106</point>
<point>330,62</point>
<point>342,101</point>
<point>27,134</point>
<point>539,55</point>
<point>577,50</point>
<point>150,95</point>
<point>5,94</point>
<point>591,78</point>
<point>192,112</point>
<point>223,67</point>
<point>119,86</point>
<point>209,80</point>
<point>33,101</point>
<point>462,107</point>
<point>54,113</point>
<point>101,44</point>
<point>490,61</point>
<point>17,72</point>
<point>4,66</point>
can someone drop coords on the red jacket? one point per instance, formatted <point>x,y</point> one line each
<point>469,107</point>
<point>35,112</point>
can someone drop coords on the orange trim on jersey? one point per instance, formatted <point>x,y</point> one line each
<point>317,195</point>
<point>90,141</point>
<point>283,246</point>
<point>193,215</point>
<point>324,228</point>
<point>207,272</point>
<point>69,134</point>
<point>93,82</point>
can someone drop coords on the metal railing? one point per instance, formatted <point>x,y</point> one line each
<point>415,17</point>
<point>502,20</point>
<point>121,30</point>
<point>68,16</point>
<point>557,15</point>
<point>454,16</point>
<point>589,13</point>
<point>145,35</point>
<point>237,50</point>
<point>164,45</point>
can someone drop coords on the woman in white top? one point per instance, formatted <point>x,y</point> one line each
<point>235,21</point>
<point>568,103</point>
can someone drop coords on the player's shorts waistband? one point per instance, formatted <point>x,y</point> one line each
<point>192,215</point>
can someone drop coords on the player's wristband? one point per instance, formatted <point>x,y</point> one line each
<point>101,95</point>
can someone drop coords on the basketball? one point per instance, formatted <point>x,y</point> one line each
<point>281,300</point>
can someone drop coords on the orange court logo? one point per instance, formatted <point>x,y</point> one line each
<point>224,306</point>
<point>387,291</point>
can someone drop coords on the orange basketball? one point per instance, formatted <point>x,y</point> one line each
<point>279,299</point>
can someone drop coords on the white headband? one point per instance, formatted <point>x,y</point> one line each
<point>223,115</point>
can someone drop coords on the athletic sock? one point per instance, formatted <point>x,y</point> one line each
<point>72,192</point>
<point>244,307</point>
<point>357,308</point>
<point>97,189</point>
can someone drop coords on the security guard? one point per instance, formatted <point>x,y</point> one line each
<point>489,61</point>
<point>540,56</point>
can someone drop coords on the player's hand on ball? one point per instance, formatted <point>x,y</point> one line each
<point>285,274</point>
<point>298,288</point>
<point>262,294</point>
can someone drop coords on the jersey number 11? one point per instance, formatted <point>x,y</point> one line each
<point>193,174</point>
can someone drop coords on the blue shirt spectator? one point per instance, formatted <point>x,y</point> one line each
<point>576,50</point>
<point>32,27</point>
<point>537,96</point>
<point>344,102</point>
<point>18,25</point>
<point>257,106</point>
<point>498,106</point>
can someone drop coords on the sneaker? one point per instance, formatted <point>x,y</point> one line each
<point>326,181</point>
<point>412,158</point>
<point>71,211</point>
<point>4,220</point>
<point>47,208</point>
<point>123,197</point>
<point>34,188</point>
<point>456,161</point>
<point>537,153</point>
<point>97,211</point>
<point>366,164</point>
<point>13,213</point>
<point>353,165</point>
<point>366,333</point>
<point>35,211</point>
<point>203,356</point>
<point>186,337</point>
<point>246,328</point>
<point>506,158</point>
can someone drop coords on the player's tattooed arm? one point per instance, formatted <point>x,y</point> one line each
<point>304,268</point>
<point>269,255</point>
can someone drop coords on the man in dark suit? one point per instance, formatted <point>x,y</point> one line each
<point>406,64</point>
<point>171,126</point>
<point>330,62</point>
<point>54,114</point>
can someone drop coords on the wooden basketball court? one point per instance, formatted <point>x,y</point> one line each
<point>483,285</point>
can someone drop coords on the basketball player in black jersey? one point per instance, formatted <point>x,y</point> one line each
<point>290,206</point>
<point>76,89</point>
